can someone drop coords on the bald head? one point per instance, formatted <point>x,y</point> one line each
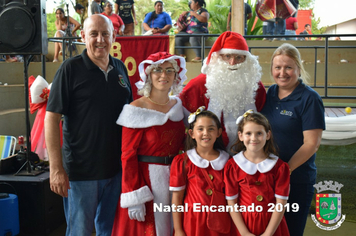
<point>98,34</point>
<point>98,18</point>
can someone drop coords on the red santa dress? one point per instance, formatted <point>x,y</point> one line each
<point>193,97</point>
<point>151,133</point>
<point>186,174</point>
<point>257,185</point>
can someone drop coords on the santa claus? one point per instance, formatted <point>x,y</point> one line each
<point>229,85</point>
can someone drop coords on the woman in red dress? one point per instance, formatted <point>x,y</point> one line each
<point>153,133</point>
<point>257,180</point>
<point>115,19</point>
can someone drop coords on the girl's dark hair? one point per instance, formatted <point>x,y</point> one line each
<point>61,10</point>
<point>154,15</point>
<point>201,2</point>
<point>259,119</point>
<point>191,143</point>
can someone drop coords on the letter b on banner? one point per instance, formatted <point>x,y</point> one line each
<point>23,27</point>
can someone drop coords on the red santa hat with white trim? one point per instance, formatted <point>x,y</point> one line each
<point>157,59</point>
<point>227,43</point>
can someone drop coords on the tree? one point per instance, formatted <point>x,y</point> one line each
<point>218,12</point>
<point>306,4</point>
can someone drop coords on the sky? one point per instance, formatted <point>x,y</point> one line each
<point>332,11</point>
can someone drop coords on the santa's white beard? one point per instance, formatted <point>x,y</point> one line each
<point>232,90</point>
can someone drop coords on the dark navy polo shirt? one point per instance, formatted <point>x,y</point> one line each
<point>302,110</point>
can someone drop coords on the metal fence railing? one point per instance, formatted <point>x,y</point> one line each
<point>70,43</point>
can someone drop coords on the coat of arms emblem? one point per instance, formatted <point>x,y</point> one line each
<point>328,206</point>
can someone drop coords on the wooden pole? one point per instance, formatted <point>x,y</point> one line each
<point>238,16</point>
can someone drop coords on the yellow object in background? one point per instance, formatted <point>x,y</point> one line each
<point>348,110</point>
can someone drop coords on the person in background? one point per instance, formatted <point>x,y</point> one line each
<point>126,10</point>
<point>307,29</point>
<point>197,18</point>
<point>79,9</point>
<point>153,134</point>
<point>248,15</point>
<point>291,27</point>
<point>115,19</point>
<point>256,176</point>
<point>157,22</point>
<point>90,91</point>
<point>295,3</point>
<point>62,28</point>
<point>96,7</point>
<point>278,27</point>
<point>292,107</point>
<point>229,85</point>
<point>9,58</point>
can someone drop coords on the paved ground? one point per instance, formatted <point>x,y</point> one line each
<point>346,229</point>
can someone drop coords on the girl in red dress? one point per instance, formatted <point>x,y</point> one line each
<point>191,191</point>
<point>257,180</point>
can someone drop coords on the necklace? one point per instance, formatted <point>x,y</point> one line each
<point>159,103</point>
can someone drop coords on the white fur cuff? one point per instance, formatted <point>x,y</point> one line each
<point>136,197</point>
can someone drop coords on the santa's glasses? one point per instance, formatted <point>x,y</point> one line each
<point>237,58</point>
<point>159,71</point>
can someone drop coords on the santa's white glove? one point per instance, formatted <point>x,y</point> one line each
<point>137,212</point>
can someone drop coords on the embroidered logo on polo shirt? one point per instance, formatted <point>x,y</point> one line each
<point>122,81</point>
<point>286,113</point>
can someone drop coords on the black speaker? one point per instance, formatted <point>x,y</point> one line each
<point>40,210</point>
<point>23,27</point>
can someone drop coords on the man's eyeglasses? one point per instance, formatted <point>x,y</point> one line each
<point>159,71</point>
<point>236,57</point>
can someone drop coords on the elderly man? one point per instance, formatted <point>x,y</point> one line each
<point>229,85</point>
<point>90,91</point>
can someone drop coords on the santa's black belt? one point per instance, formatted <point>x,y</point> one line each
<point>157,160</point>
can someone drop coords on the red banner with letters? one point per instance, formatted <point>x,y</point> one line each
<point>133,50</point>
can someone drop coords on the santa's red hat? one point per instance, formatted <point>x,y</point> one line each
<point>159,58</point>
<point>228,42</point>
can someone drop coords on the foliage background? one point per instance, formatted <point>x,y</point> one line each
<point>218,10</point>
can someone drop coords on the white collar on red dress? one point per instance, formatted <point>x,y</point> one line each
<point>138,117</point>
<point>217,164</point>
<point>251,168</point>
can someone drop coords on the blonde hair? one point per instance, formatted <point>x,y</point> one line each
<point>175,89</point>
<point>292,52</point>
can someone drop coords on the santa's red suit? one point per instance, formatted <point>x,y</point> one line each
<point>193,97</point>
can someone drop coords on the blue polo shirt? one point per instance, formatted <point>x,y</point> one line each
<point>161,21</point>
<point>302,110</point>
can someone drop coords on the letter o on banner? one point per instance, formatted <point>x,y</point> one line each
<point>133,69</point>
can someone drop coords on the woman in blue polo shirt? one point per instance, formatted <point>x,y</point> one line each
<point>296,114</point>
<point>158,22</point>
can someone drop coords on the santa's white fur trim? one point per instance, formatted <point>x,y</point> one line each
<point>136,197</point>
<point>233,51</point>
<point>159,177</point>
<point>138,117</point>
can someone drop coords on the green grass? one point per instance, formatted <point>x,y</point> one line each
<point>338,163</point>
